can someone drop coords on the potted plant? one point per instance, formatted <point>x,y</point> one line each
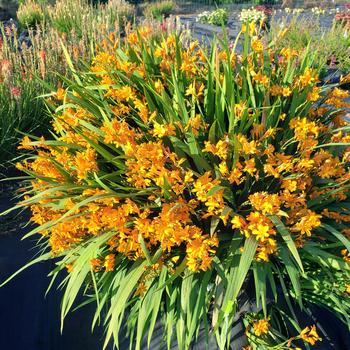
<point>178,177</point>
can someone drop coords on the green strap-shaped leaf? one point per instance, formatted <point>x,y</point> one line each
<point>292,271</point>
<point>237,276</point>
<point>281,228</point>
<point>338,235</point>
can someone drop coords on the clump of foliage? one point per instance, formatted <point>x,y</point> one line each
<point>26,61</point>
<point>217,17</point>
<point>68,15</point>
<point>30,14</point>
<point>19,110</point>
<point>118,11</point>
<point>159,9</point>
<point>331,46</point>
<point>80,16</point>
<point>177,173</point>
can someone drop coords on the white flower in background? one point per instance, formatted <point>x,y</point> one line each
<point>203,16</point>
<point>217,17</point>
<point>252,15</point>
<point>318,10</point>
<point>298,10</point>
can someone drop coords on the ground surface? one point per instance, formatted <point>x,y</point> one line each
<point>28,320</point>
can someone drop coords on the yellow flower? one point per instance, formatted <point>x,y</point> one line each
<point>236,175</point>
<point>132,38</point>
<point>200,251</point>
<point>276,90</point>
<point>347,288</point>
<point>251,28</point>
<point>346,255</point>
<point>258,225</point>
<point>223,168</point>
<point>307,78</point>
<point>257,130</point>
<point>239,109</point>
<point>314,95</point>
<point>95,264</point>
<point>261,78</point>
<point>60,94</point>
<point>261,327</point>
<point>124,93</point>
<point>25,143</point>
<point>238,222</point>
<point>188,176</point>
<point>257,45</point>
<point>220,149</point>
<point>191,90</point>
<point>109,262</point>
<point>162,130</point>
<point>289,185</point>
<point>248,147</point>
<point>195,123</point>
<point>265,249</point>
<point>265,202</point>
<point>309,220</point>
<point>158,85</point>
<point>286,91</point>
<point>214,202</point>
<point>288,52</point>
<point>85,162</point>
<point>195,90</point>
<point>309,334</point>
<point>249,167</point>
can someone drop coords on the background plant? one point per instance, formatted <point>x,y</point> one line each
<point>30,14</point>
<point>330,45</point>
<point>217,17</point>
<point>80,16</point>
<point>158,9</point>
<point>28,59</point>
<point>252,15</point>
<point>23,69</point>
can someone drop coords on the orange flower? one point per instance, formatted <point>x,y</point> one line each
<point>25,143</point>
<point>257,45</point>
<point>261,327</point>
<point>85,162</point>
<point>309,334</point>
<point>60,94</point>
<point>109,262</point>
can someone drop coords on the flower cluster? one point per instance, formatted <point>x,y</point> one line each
<point>217,17</point>
<point>255,15</point>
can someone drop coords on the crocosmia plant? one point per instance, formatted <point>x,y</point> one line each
<point>178,174</point>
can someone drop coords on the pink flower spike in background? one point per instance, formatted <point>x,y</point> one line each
<point>15,92</point>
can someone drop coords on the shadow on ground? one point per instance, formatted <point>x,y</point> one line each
<point>28,320</point>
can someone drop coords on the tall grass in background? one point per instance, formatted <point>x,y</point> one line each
<point>30,14</point>
<point>29,69</point>
<point>81,16</point>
